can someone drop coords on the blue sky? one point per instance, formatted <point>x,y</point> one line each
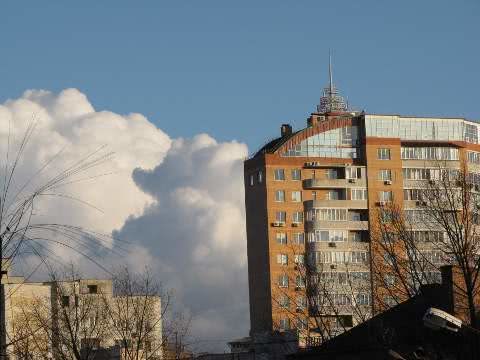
<point>238,69</point>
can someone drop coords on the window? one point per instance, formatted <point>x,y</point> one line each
<point>329,235</point>
<point>279,195</point>
<point>282,259</point>
<point>281,216</point>
<point>383,154</point>
<point>296,174</point>
<point>385,196</point>
<point>301,302</point>
<point>299,259</point>
<point>359,257</point>
<point>297,217</point>
<point>429,153</point>
<point>412,194</point>
<point>65,301</point>
<point>473,157</point>
<point>302,324</point>
<point>334,195</point>
<point>327,215</point>
<point>251,180</point>
<point>92,289</point>
<point>331,173</point>
<point>260,176</point>
<point>362,299</point>
<point>296,196</point>
<point>358,194</point>
<point>284,324</point>
<point>355,236</point>
<point>299,281</point>
<point>353,173</point>
<point>284,302</point>
<point>283,281</point>
<point>389,279</point>
<point>385,174</point>
<point>281,238</point>
<point>299,238</point>
<point>279,174</point>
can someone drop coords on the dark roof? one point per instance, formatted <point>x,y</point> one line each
<point>400,329</point>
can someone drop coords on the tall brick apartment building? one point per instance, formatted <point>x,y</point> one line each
<point>314,194</point>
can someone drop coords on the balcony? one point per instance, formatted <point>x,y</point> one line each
<point>346,225</point>
<point>349,204</point>
<point>332,183</point>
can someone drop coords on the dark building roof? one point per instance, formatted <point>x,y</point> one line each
<point>400,329</point>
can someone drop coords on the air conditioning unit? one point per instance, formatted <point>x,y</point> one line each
<point>382,203</point>
<point>332,244</point>
<point>352,180</point>
<point>388,182</point>
<point>278,224</point>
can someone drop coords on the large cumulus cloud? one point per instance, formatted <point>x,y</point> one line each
<point>179,203</point>
<point>196,231</point>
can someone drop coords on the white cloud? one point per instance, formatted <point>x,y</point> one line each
<point>179,202</point>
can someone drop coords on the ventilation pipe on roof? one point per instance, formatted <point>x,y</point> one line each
<point>286,130</point>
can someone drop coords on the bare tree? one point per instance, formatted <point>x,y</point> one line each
<point>327,299</point>
<point>21,234</point>
<point>136,313</point>
<point>439,225</point>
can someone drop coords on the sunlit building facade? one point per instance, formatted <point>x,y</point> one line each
<point>312,197</point>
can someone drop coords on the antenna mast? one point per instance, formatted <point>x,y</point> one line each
<point>331,100</point>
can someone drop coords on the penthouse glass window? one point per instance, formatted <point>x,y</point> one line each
<point>279,174</point>
<point>327,215</point>
<point>429,153</point>
<point>335,143</point>
<point>471,133</point>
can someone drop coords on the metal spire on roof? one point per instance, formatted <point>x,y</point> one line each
<point>330,71</point>
<point>331,100</point>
